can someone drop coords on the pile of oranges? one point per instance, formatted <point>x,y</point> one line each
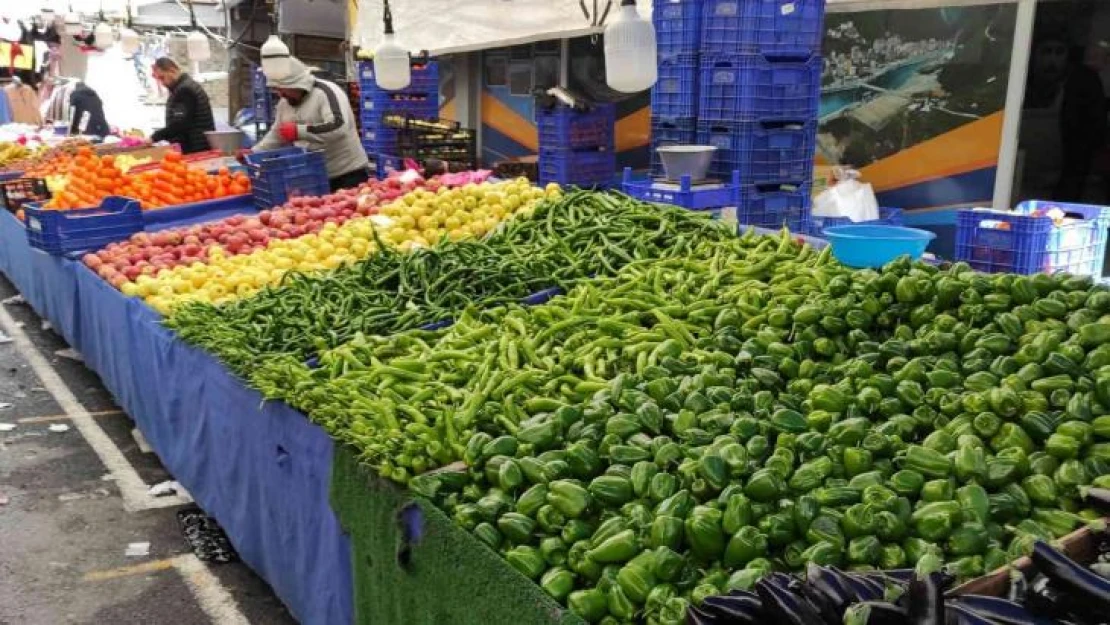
<point>91,178</point>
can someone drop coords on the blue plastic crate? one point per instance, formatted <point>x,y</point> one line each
<point>775,205</point>
<point>761,151</point>
<point>683,193</point>
<point>376,104</point>
<point>60,232</point>
<point>584,169</point>
<point>1020,242</point>
<point>424,77</point>
<point>887,217</point>
<point>561,127</point>
<point>780,28</point>
<point>755,88</point>
<point>379,134</point>
<point>279,175</point>
<point>677,26</point>
<point>675,93</point>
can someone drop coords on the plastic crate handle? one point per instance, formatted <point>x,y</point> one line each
<point>729,8</point>
<point>782,138</point>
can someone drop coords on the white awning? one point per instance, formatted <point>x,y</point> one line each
<point>450,26</point>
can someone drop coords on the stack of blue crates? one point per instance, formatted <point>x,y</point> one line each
<point>759,88</point>
<point>420,99</point>
<point>577,147</point>
<point>674,98</point>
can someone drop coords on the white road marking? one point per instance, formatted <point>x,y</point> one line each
<point>209,592</point>
<point>132,488</point>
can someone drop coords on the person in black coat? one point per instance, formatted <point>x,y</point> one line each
<point>87,112</point>
<point>188,112</point>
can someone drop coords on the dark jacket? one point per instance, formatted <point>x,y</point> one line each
<point>84,101</point>
<point>188,116</point>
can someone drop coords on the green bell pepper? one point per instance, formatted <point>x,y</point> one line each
<point>637,579</point>
<point>532,499</point>
<point>737,513</point>
<point>765,485</point>
<point>527,560</point>
<point>667,563</point>
<point>666,531</point>
<point>938,490</point>
<point>591,605</point>
<point>704,533</point>
<point>907,482</point>
<point>865,550</point>
<point>516,527</point>
<point>570,499</point>
<point>744,546</point>
<point>557,582</point>
<point>926,461</point>
<point>975,502</point>
<point>859,520</point>
<point>968,539</point>
<point>618,548</point>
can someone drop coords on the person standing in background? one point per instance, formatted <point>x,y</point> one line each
<point>316,114</point>
<point>87,112</point>
<point>188,111</point>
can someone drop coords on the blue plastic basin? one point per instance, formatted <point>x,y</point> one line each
<point>875,246</point>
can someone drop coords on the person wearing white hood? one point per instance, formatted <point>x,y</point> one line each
<point>316,114</point>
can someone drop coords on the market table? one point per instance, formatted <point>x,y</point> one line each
<point>261,469</point>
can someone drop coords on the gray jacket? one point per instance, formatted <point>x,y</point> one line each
<point>324,122</point>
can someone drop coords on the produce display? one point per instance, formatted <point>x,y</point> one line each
<point>91,178</point>
<point>699,423</point>
<point>310,235</point>
<point>582,235</point>
<point>653,418</point>
<point>42,161</point>
<point>12,152</point>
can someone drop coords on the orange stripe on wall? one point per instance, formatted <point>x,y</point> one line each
<point>506,121</point>
<point>967,148</point>
<point>634,131</point>
<point>447,110</point>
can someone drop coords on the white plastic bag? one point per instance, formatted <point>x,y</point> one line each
<point>847,198</point>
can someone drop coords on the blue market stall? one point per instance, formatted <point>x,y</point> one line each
<point>262,469</point>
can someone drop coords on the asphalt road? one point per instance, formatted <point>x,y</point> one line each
<point>64,530</point>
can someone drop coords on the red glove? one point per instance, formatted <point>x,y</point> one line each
<point>288,131</point>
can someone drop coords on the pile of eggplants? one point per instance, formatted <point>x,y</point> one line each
<point>1056,589</point>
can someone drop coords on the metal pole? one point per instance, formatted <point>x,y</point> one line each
<point>1015,97</point>
<point>564,62</point>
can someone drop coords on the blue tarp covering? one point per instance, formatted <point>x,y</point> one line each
<point>262,470</point>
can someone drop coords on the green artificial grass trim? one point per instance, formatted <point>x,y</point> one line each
<point>451,578</point>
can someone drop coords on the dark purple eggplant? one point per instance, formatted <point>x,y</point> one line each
<point>875,613</point>
<point>733,610</point>
<point>1000,610</point>
<point>829,585</point>
<point>785,608</point>
<point>1097,498</point>
<point>925,600</point>
<point>1044,599</point>
<point>1085,586</point>
<point>893,577</point>
<point>697,616</point>
<point>865,589</point>
<point>736,592</point>
<point>1019,587</point>
<point>956,614</point>
<point>828,611</point>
